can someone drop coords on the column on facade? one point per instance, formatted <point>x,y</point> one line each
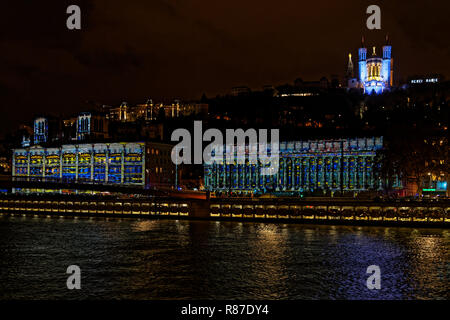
<point>44,159</point>
<point>305,173</point>
<point>320,172</point>
<point>312,173</point>
<point>328,171</point>
<point>290,173</point>
<point>239,174</point>
<point>363,173</point>
<point>233,172</point>
<point>353,167</point>
<point>350,170</point>
<point>298,164</point>
<point>223,174</point>
<point>236,175</point>
<point>280,175</point>
<point>256,175</point>
<point>336,173</point>
<point>294,172</point>
<point>106,163</point>
<point>253,181</point>
<point>287,173</point>
<point>92,162</point>
<point>277,176</point>
<point>13,164</point>
<point>28,162</point>
<point>368,172</point>
<point>76,163</point>
<point>345,172</point>
<point>216,180</point>
<point>227,176</point>
<point>219,179</point>
<point>60,163</point>
<point>210,176</point>
<point>122,164</point>
<point>246,172</point>
<point>143,157</point>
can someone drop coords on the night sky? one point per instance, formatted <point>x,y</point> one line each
<point>134,50</point>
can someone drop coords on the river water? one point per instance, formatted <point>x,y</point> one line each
<point>180,259</point>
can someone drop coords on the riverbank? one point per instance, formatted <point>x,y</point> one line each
<point>330,212</point>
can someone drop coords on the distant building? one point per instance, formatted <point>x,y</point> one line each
<point>375,72</point>
<point>5,165</point>
<point>126,113</point>
<point>26,142</point>
<point>352,82</point>
<point>303,88</point>
<point>321,84</point>
<point>135,163</point>
<point>346,165</point>
<point>423,80</point>
<point>40,130</point>
<point>45,130</point>
<point>69,129</point>
<point>150,111</point>
<point>91,126</point>
<point>242,90</point>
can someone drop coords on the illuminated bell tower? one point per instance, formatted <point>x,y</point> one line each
<point>350,66</point>
<point>386,70</point>
<point>375,72</point>
<point>362,52</point>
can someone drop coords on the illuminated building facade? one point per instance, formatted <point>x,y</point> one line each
<point>375,72</point>
<point>425,80</point>
<point>91,126</point>
<point>149,111</point>
<point>136,163</point>
<point>40,130</point>
<point>304,166</point>
<point>26,142</point>
<point>45,130</point>
<point>5,165</point>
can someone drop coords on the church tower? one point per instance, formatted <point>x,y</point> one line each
<point>362,52</point>
<point>350,67</point>
<point>375,72</point>
<point>386,67</point>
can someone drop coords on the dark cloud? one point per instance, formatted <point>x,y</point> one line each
<point>164,48</point>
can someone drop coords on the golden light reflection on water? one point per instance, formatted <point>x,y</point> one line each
<point>429,259</point>
<point>143,225</point>
<point>268,259</point>
<point>333,235</point>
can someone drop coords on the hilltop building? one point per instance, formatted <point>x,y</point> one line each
<point>375,72</point>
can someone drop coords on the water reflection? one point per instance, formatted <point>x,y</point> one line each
<point>178,259</point>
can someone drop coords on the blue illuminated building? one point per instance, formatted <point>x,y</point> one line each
<point>83,125</point>
<point>304,166</point>
<point>91,126</point>
<point>128,163</point>
<point>40,130</point>
<point>375,72</point>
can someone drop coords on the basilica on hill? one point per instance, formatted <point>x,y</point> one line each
<point>375,70</point>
